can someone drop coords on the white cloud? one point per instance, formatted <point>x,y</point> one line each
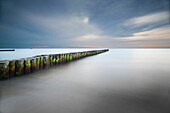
<point>92,37</point>
<point>154,34</point>
<point>86,20</point>
<point>152,18</point>
<point>69,26</point>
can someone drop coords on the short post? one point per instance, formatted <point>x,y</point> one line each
<point>27,65</point>
<point>19,67</point>
<point>11,68</point>
<point>4,69</point>
<point>33,64</point>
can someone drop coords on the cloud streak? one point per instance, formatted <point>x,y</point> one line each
<point>65,26</point>
<point>91,37</point>
<point>154,34</point>
<point>152,18</point>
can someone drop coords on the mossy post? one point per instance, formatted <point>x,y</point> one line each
<point>82,54</point>
<point>27,65</point>
<point>53,60</point>
<point>19,67</point>
<point>11,68</point>
<point>58,58</point>
<point>4,69</point>
<point>46,61</point>
<point>61,58</point>
<point>41,62</point>
<point>71,57</point>
<point>33,64</point>
<point>67,57</point>
<point>37,63</point>
<point>79,55</point>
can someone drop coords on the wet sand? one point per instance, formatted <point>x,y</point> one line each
<point>119,81</point>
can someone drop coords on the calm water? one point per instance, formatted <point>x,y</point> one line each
<point>118,81</point>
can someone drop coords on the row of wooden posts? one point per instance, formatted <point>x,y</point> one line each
<point>10,68</point>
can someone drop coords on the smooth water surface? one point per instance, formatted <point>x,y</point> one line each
<point>118,81</point>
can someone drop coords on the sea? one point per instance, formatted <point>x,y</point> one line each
<point>117,81</point>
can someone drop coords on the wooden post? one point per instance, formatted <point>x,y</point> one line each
<point>33,64</point>
<point>53,60</point>
<point>11,68</point>
<point>27,65</point>
<point>19,67</point>
<point>4,69</point>
<point>67,57</point>
<point>38,63</point>
<point>58,58</point>
<point>46,61</point>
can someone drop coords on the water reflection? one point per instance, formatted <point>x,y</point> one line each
<point>118,81</point>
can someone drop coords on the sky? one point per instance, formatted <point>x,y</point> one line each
<point>85,23</point>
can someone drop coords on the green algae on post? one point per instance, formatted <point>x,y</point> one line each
<point>27,64</point>
<point>58,59</point>
<point>33,64</point>
<point>37,63</point>
<point>4,69</point>
<point>11,68</point>
<point>19,67</point>
<point>53,60</point>
<point>68,57</point>
<point>41,62</point>
<point>46,61</point>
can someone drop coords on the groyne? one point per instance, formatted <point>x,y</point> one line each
<point>19,67</point>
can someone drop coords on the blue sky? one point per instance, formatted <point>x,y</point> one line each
<point>84,23</point>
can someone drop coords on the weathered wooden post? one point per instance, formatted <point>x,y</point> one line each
<point>46,61</point>
<point>64,58</point>
<point>77,55</point>
<point>53,60</point>
<point>71,57</point>
<point>11,68</point>
<point>82,55</point>
<point>38,63</point>
<point>85,54</point>
<point>4,69</point>
<point>27,65</point>
<point>67,57</point>
<point>58,56</point>
<point>41,62</point>
<point>19,67</point>
<point>33,64</point>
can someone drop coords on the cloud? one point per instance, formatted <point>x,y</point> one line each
<point>91,37</point>
<point>85,20</point>
<point>157,37</point>
<point>152,18</point>
<point>65,26</point>
<point>154,34</point>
